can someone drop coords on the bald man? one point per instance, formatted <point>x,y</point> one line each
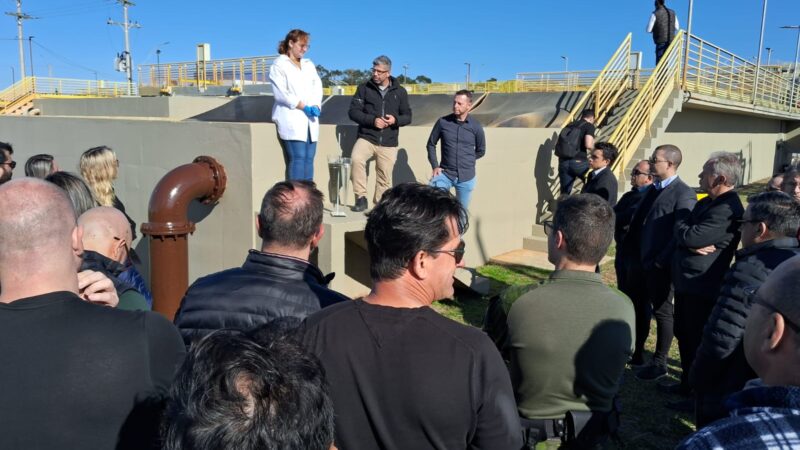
<point>75,374</point>
<point>766,414</point>
<point>106,242</point>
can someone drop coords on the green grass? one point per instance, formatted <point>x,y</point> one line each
<point>646,422</point>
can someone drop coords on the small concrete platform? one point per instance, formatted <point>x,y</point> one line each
<point>530,258</point>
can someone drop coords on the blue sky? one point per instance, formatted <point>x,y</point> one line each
<point>435,38</point>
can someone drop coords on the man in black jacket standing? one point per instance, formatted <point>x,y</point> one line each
<point>668,201</point>
<point>380,108</point>
<point>706,242</point>
<point>276,281</point>
<point>601,180</point>
<point>630,278</point>
<point>769,229</point>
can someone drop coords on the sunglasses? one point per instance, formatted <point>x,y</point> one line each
<point>12,164</point>
<point>458,252</point>
<point>636,173</point>
<point>548,227</point>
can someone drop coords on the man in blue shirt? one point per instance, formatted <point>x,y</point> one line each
<point>463,142</point>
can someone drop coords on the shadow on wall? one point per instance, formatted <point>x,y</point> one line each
<point>546,177</point>
<point>745,156</point>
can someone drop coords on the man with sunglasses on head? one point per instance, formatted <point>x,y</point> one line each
<point>768,227</point>
<point>107,248</point>
<point>8,164</point>
<point>567,339</point>
<point>401,375</point>
<point>766,413</point>
<point>379,107</point>
<point>630,278</point>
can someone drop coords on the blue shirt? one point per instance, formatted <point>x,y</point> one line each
<point>462,144</point>
<point>661,184</point>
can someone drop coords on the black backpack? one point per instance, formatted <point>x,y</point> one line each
<point>569,140</point>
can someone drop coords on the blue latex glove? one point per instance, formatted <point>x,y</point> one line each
<point>309,110</point>
<point>316,111</point>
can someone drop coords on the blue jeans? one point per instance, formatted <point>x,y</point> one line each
<point>569,170</point>
<point>463,188</point>
<point>660,49</point>
<point>299,157</point>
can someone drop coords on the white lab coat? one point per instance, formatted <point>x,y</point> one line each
<point>290,86</point>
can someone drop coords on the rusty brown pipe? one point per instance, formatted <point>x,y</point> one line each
<point>169,227</point>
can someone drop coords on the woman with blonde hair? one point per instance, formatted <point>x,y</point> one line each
<point>298,95</point>
<point>99,167</point>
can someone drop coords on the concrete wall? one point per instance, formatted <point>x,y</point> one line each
<point>698,133</point>
<point>177,108</point>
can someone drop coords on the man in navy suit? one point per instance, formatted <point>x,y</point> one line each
<point>666,202</point>
<point>601,180</point>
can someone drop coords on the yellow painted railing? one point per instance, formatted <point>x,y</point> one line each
<point>219,72</point>
<point>38,87</point>
<point>713,71</point>
<point>639,117</point>
<point>608,86</point>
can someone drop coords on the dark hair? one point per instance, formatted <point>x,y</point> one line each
<point>236,390</point>
<point>39,166</point>
<point>291,220</point>
<point>292,36</point>
<point>77,190</point>
<point>587,223</point>
<point>410,217</point>
<point>7,147</point>
<point>465,93</point>
<point>779,210</point>
<point>609,151</point>
<point>587,114</point>
<point>671,153</point>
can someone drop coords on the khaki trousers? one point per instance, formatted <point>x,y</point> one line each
<point>385,158</point>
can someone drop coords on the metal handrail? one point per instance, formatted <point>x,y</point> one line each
<point>639,117</point>
<point>716,72</point>
<point>218,72</point>
<point>30,87</point>
<point>609,85</point>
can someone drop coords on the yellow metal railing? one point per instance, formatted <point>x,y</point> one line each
<point>219,72</point>
<point>639,117</point>
<point>713,71</point>
<point>30,87</point>
<point>608,86</point>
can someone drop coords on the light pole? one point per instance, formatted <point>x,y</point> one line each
<point>158,63</point>
<point>760,46</point>
<point>30,51</point>
<point>769,54</point>
<point>468,67</point>
<point>793,104</point>
<point>13,76</point>
<point>405,72</point>
<point>688,44</point>
<point>566,63</point>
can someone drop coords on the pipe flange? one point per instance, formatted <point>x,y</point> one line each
<point>220,179</point>
<point>155,229</point>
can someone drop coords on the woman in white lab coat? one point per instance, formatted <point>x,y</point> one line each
<point>298,94</point>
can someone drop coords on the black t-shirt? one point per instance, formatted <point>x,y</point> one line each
<point>75,375</point>
<point>408,378</point>
<point>588,130</point>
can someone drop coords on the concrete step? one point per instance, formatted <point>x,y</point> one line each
<point>523,257</point>
<point>535,243</point>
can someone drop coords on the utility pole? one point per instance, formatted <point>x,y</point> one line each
<point>126,25</point>
<point>20,17</point>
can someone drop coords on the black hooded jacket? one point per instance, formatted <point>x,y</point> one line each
<point>368,104</point>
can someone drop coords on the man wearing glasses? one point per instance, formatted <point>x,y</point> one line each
<point>766,413</point>
<point>400,374</point>
<point>769,227</point>
<point>8,164</point>
<point>569,338</point>
<point>630,278</point>
<point>380,108</point>
<point>106,243</point>
<point>667,201</point>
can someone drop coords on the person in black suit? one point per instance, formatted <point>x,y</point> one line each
<point>601,180</point>
<point>667,201</point>
<point>706,241</point>
<point>630,279</point>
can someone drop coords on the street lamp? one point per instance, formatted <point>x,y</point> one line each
<point>796,54</point>
<point>13,76</point>
<point>30,51</point>
<point>405,73</point>
<point>158,62</point>
<point>468,67</point>
<point>760,46</point>
<point>566,63</point>
<point>769,54</point>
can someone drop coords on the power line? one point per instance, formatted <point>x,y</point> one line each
<point>68,61</point>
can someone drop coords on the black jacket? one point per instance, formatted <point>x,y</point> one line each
<point>368,104</point>
<point>267,286</point>
<point>653,223</point>
<point>712,222</point>
<point>604,184</point>
<point>720,366</point>
<point>624,210</point>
